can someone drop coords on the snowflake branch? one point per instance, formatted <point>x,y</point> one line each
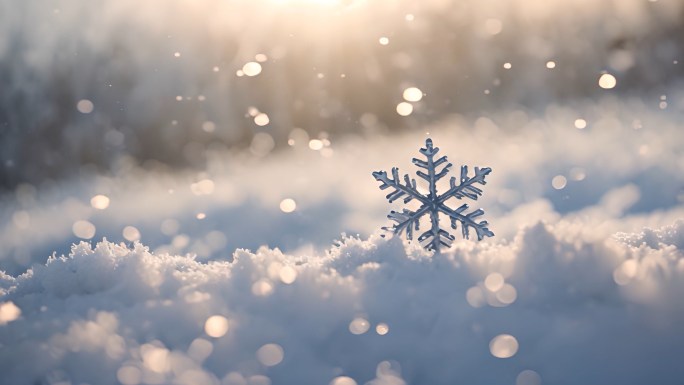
<point>407,221</point>
<point>437,237</point>
<point>408,188</point>
<point>467,221</point>
<point>431,166</point>
<point>465,187</point>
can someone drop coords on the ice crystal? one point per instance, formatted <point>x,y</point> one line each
<point>432,204</point>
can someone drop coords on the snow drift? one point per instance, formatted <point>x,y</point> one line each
<point>552,305</point>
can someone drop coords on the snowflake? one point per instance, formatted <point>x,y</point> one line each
<point>434,203</point>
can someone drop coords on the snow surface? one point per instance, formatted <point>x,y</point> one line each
<point>113,313</point>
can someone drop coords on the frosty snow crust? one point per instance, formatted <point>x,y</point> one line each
<point>368,309</point>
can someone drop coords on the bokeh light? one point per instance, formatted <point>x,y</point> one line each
<point>503,346</point>
<point>404,109</point>
<point>83,229</point>
<point>359,325</point>
<point>412,94</point>
<point>216,326</point>
<point>607,81</point>
<point>99,202</point>
<point>288,205</point>
<point>85,106</point>
<point>559,182</point>
<point>343,380</point>
<point>528,377</point>
<point>8,312</point>
<point>270,354</point>
<point>382,329</point>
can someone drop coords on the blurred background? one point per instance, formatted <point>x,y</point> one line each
<point>202,126</point>
<point>90,87</point>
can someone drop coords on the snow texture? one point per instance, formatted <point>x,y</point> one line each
<point>373,311</point>
<point>434,203</point>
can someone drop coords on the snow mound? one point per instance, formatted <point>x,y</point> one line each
<point>547,306</point>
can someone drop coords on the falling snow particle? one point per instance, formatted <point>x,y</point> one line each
<point>343,380</point>
<point>270,354</point>
<point>528,377</point>
<point>261,119</point>
<point>99,202</point>
<point>550,64</point>
<point>83,229</point>
<point>558,182</point>
<point>216,326</point>
<point>85,106</point>
<point>131,233</point>
<point>359,326</point>
<point>607,81</point>
<point>507,65</point>
<point>384,40</point>
<point>404,109</point>
<point>288,205</point>
<point>251,68</point>
<point>382,329</point>
<point>412,94</point>
<point>315,144</point>
<point>503,346</point>
<point>580,124</point>
<point>8,312</point>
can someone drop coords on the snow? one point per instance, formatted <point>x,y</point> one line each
<point>111,311</point>
<point>582,283</point>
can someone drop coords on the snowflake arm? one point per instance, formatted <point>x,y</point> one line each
<point>408,189</point>
<point>465,188</point>
<point>467,221</point>
<point>431,166</point>
<point>407,221</point>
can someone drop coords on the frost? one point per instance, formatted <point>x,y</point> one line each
<point>433,203</point>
